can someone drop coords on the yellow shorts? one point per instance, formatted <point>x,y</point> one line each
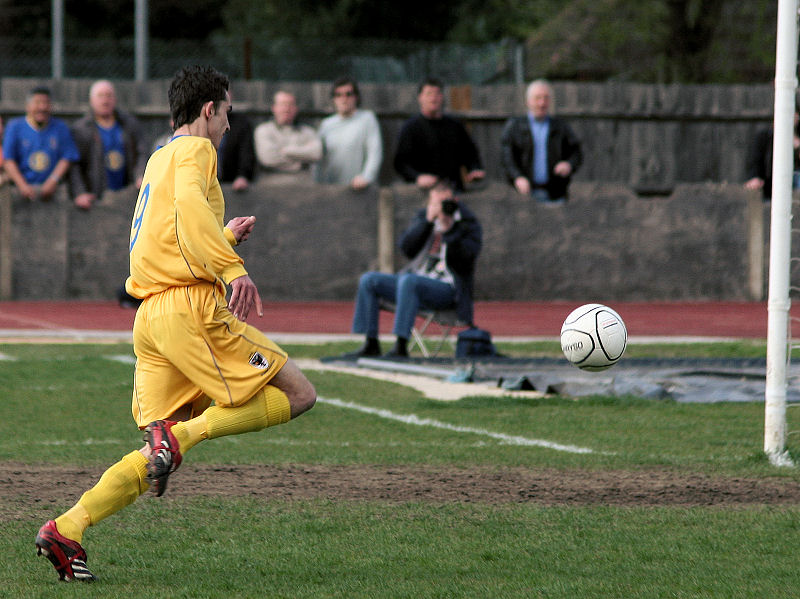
<point>190,350</point>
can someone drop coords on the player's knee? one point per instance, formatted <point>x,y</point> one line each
<point>298,389</point>
<point>303,398</point>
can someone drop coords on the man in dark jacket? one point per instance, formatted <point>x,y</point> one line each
<point>236,157</point>
<point>112,148</point>
<point>433,146</point>
<point>540,152</point>
<point>758,162</point>
<point>442,242</point>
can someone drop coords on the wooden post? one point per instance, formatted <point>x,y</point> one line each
<point>385,230</point>
<point>248,58</point>
<point>460,98</point>
<point>6,256</point>
<point>755,246</point>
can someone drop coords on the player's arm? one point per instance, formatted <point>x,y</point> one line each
<point>199,231</point>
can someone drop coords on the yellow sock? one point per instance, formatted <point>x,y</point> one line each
<point>190,432</point>
<point>119,486</point>
<point>73,522</point>
<point>268,407</point>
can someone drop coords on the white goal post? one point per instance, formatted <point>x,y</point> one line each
<point>779,303</point>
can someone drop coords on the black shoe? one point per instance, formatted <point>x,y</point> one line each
<point>395,354</point>
<point>370,349</point>
<point>399,351</point>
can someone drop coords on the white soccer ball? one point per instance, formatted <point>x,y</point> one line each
<point>593,337</point>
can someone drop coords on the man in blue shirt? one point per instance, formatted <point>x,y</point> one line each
<point>540,152</point>
<point>38,148</point>
<point>112,148</point>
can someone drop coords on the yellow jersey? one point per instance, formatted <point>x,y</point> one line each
<point>178,236</point>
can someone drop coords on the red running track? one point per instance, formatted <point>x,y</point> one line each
<point>679,319</point>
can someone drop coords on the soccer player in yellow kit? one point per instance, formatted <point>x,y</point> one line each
<point>192,346</point>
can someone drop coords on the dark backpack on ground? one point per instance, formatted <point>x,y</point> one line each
<point>474,343</point>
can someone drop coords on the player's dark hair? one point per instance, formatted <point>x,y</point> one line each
<point>341,82</point>
<point>191,88</point>
<point>432,81</point>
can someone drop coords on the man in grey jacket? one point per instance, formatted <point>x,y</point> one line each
<point>112,148</point>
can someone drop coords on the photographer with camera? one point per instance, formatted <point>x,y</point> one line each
<point>442,243</point>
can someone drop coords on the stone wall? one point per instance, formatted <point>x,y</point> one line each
<point>703,242</point>
<point>650,138</point>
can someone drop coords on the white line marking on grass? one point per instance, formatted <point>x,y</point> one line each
<point>123,359</point>
<point>7,358</point>
<point>416,420</point>
<point>85,442</point>
<point>430,387</point>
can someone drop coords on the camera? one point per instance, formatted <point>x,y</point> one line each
<point>449,207</point>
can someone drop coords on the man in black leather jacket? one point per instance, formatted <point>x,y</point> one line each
<point>540,152</point>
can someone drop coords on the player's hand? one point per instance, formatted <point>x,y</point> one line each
<point>244,297</point>
<point>522,185</point>
<point>241,227</point>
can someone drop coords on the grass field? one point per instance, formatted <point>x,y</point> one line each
<point>66,408</point>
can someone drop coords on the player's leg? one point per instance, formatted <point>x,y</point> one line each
<point>288,394</point>
<point>253,383</point>
<point>60,539</point>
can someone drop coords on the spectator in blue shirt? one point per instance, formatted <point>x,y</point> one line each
<point>112,148</point>
<point>38,148</point>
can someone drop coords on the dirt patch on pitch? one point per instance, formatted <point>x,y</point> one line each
<point>27,487</point>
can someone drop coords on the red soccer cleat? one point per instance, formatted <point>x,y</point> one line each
<point>165,456</point>
<point>66,555</point>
